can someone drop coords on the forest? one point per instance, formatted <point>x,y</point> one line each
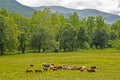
<point>48,31</point>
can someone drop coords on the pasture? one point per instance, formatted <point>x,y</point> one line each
<point>12,67</point>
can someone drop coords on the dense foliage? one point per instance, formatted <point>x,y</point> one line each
<point>46,31</point>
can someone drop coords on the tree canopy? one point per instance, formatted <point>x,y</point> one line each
<point>48,31</point>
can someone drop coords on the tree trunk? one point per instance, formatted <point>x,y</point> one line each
<point>2,52</point>
<point>43,50</point>
<point>64,49</point>
<point>23,50</point>
<point>39,50</point>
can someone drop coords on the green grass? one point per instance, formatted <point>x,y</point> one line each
<point>12,67</point>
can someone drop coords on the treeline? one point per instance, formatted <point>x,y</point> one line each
<point>46,31</point>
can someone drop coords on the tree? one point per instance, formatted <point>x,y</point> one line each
<point>114,35</point>
<point>10,29</point>
<point>67,38</point>
<point>50,23</point>
<point>23,26</point>
<point>81,38</point>
<point>115,44</point>
<point>39,39</point>
<point>116,27</point>
<point>4,12</point>
<point>101,39</point>
<point>101,36</point>
<point>3,34</point>
<point>13,33</point>
<point>55,23</point>
<point>90,29</point>
<point>74,20</point>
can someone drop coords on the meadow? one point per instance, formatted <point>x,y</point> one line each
<point>12,67</point>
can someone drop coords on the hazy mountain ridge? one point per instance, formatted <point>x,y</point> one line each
<point>109,18</point>
<point>14,6</point>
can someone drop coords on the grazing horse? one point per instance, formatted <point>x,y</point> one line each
<point>45,66</point>
<point>77,68</point>
<point>52,66</point>
<point>90,70</point>
<point>71,68</point>
<point>54,69</point>
<point>29,71</point>
<point>64,67</point>
<point>38,71</point>
<point>82,68</point>
<point>58,67</point>
<point>31,65</point>
<point>93,67</point>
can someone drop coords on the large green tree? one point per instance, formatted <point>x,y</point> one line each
<point>90,24</point>
<point>39,40</point>
<point>13,33</point>
<point>82,38</point>
<point>4,12</point>
<point>74,20</point>
<point>3,34</point>
<point>101,36</point>
<point>23,25</point>
<point>67,38</point>
<point>116,27</point>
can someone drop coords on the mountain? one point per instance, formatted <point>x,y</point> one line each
<point>14,6</point>
<point>109,18</point>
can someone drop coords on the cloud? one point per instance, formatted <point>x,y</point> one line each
<point>81,3</point>
<point>119,5</point>
<point>111,6</point>
<point>36,3</point>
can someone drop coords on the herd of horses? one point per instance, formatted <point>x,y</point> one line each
<point>53,67</point>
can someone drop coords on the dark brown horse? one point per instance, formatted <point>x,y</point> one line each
<point>29,71</point>
<point>38,71</point>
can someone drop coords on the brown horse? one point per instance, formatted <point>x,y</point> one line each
<point>38,71</point>
<point>90,70</point>
<point>29,71</point>
<point>31,65</point>
<point>54,69</point>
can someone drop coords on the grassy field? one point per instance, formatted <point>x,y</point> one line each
<point>12,67</point>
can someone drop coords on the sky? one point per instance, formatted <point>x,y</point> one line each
<point>111,6</point>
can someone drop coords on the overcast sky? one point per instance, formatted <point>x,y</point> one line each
<point>112,6</point>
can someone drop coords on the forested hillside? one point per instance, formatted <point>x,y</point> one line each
<point>47,31</point>
<point>14,6</point>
